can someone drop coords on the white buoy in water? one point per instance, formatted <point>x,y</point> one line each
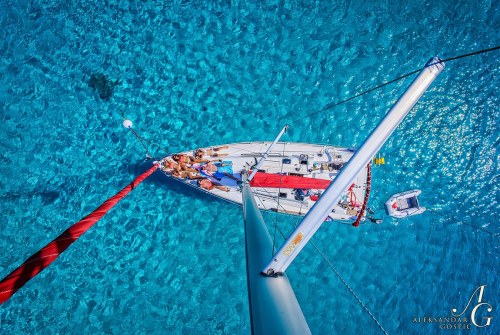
<point>127,124</point>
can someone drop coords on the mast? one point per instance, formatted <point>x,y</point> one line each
<point>274,309</point>
<point>319,212</point>
<point>266,154</point>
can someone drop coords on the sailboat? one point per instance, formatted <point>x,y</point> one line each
<point>274,308</point>
<point>289,180</point>
<point>285,177</point>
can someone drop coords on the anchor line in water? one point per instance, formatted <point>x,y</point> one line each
<point>141,140</point>
<point>155,145</point>
<point>45,256</point>
<point>128,124</point>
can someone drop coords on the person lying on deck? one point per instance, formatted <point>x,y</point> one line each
<point>172,168</point>
<point>212,152</point>
<point>182,158</point>
<point>169,165</point>
<point>207,184</point>
<point>187,159</point>
<point>186,174</point>
<point>185,162</point>
<point>210,168</point>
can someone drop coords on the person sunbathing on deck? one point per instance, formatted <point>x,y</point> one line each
<point>185,162</point>
<point>188,159</point>
<point>207,184</point>
<point>168,165</point>
<point>212,152</point>
<point>211,168</point>
<point>172,168</point>
<point>186,174</point>
<point>182,158</point>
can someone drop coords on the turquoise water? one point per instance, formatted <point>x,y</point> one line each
<point>165,261</point>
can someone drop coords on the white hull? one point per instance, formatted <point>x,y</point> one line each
<point>292,159</point>
<point>404,204</point>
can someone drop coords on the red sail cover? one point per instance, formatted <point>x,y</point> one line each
<point>39,261</point>
<point>262,179</point>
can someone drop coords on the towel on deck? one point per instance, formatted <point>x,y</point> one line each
<point>223,168</point>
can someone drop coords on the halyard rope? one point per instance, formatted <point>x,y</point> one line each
<point>350,289</point>
<point>338,275</point>
<point>330,106</point>
<point>465,223</point>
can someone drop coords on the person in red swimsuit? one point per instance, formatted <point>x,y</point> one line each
<point>207,184</point>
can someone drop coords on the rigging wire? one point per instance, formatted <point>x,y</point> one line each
<point>330,106</point>
<point>339,276</point>
<point>276,227</point>
<point>142,140</point>
<point>471,54</point>
<point>465,223</point>
<point>350,289</point>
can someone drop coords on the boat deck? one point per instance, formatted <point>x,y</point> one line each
<point>286,159</point>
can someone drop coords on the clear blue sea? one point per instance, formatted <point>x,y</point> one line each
<point>192,74</point>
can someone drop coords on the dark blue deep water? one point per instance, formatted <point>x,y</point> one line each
<point>192,74</point>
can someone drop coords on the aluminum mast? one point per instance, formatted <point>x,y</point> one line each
<point>274,309</point>
<point>266,154</point>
